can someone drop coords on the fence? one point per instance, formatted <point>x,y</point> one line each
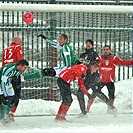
<point>114,29</point>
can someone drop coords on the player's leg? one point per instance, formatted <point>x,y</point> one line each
<point>6,107</point>
<point>98,86</point>
<point>16,83</point>
<point>7,102</point>
<point>66,100</point>
<point>81,100</point>
<point>104,98</point>
<point>111,94</point>
<point>90,102</point>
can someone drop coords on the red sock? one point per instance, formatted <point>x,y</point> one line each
<point>13,111</point>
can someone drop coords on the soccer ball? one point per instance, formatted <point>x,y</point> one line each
<point>28,17</point>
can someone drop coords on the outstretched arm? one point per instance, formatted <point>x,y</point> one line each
<point>53,43</point>
<point>119,61</point>
<point>40,73</point>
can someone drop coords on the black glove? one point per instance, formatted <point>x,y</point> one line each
<point>82,75</point>
<point>42,36</point>
<point>89,96</point>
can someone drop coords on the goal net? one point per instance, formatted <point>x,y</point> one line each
<point>105,25</point>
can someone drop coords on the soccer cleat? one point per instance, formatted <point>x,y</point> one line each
<point>81,115</point>
<point>114,112</point>
<point>60,119</point>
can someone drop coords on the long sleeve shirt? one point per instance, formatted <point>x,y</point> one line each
<point>68,56</point>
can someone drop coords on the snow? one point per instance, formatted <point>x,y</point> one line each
<point>37,116</point>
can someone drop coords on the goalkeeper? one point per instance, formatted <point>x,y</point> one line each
<point>69,58</point>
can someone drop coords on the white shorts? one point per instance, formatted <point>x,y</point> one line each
<point>58,70</point>
<point>9,91</point>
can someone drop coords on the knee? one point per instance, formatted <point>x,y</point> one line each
<point>68,101</point>
<point>10,100</point>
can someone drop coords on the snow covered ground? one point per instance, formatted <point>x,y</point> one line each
<point>96,121</point>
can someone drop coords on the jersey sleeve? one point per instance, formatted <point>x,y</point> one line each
<point>81,85</point>
<point>119,61</point>
<point>53,43</point>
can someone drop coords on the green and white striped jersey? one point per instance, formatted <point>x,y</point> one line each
<point>6,74</point>
<point>68,56</point>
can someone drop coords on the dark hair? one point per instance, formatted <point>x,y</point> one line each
<point>94,63</point>
<point>64,36</point>
<point>107,46</point>
<point>22,62</point>
<point>90,41</point>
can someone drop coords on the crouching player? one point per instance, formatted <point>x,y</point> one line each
<point>7,91</point>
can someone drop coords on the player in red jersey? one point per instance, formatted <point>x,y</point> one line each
<point>107,67</point>
<point>12,54</point>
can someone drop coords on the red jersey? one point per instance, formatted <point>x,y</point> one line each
<point>74,73</point>
<point>107,67</point>
<point>12,54</point>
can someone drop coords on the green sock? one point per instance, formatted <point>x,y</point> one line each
<point>35,75</point>
<point>5,109</point>
<point>10,108</point>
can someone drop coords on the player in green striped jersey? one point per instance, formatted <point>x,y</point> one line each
<point>6,90</point>
<point>68,57</point>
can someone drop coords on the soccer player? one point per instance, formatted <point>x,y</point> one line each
<point>7,72</point>
<point>89,55</point>
<point>12,54</point>
<point>68,56</point>
<point>76,72</point>
<point>107,66</point>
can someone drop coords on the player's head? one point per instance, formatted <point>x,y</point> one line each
<point>94,66</point>
<point>63,39</point>
<point>89,44</point>
<point>22,65</point>
<point>107,50</point>
<point>17,40</point>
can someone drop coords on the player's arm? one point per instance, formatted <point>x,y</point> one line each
<point>82,87</point>
<point>53,43</point>
<point>40,73</point>
<point>119,61</point>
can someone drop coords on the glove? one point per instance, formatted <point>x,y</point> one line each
<point>42,36</point>
<point>82,75</point>
<point>89,96</point>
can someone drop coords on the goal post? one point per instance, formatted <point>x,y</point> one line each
<point>104,24</point>
<point>66,8</point>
